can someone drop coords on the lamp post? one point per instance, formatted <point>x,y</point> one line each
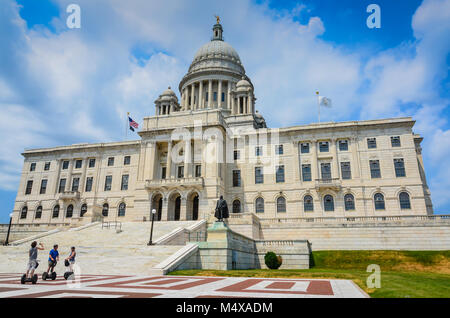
<point>151,231</point>
<point>9,229</point>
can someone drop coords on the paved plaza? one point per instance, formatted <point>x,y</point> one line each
<point>116,286</point>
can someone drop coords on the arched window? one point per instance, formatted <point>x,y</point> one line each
<point>69,211</point>
<point>23,214</point>
<point>259,205</point>
<point>379,201</point>
<point>308,203</point>
<point>405,202</point>
<point>55,214</point>
<point>105,210</point>
<point>236,206</point>
<point>83,210</point>
<point>281,205</point>
<point>328,203</point>
<point>38,214</point>
<point>122,208</point>
<point>349,202</point>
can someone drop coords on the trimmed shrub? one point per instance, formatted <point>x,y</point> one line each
<point>272,260</point>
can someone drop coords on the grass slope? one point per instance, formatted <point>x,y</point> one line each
<point>404,274</point>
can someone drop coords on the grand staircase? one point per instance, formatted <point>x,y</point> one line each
<point>100,250</point>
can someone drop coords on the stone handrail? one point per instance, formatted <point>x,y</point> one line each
<point>359,219</point>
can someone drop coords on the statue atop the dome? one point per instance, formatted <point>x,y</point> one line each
<point>218,19</point>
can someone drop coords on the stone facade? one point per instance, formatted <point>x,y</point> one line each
<point>213,142</point>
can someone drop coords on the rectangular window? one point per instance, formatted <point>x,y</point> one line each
<point>279,149</point>
<point>47,166</point>
<point>280,174</point>
<point>215,97</point>
<point>43,186</point>
<point>343,145</point>
<point>324,146</point>
<point>346,170</point>
<point>237,155</point>
<point>89,181</point>
<point>65,165</point>
<point>29,187</point>
<point>110,161</point>
<point>258,151</point>
<point>325,169</point>
<point>33,166</point>
<point>223,97</point>
<point>180,172</point>
<point>375,171</point>
<point>259,175</point>
<point>304,148</point>
<point>75,184</point>
<point>306,172</point>
<point>206,96</point>
<point>395,141</point>
<point>236,178</point>
<point>62,185</point>
<point>78,164</point>
<point>198,171</point>
<point>124,185</point>
<point>126,160</point>
<point>108,183</point>
<point>399,165</point>
<point>163,173</point>
<point>92,163</point>
<point>371,143</point>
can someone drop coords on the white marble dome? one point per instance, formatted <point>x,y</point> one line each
<point>217,54</point>
<point>168,94</point>
<point>218,49</point>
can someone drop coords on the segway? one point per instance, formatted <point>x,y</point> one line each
<point>68,274</point>
<point>52,275</point>
<point>32,280</point>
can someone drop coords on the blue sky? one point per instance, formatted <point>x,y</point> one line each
<point>60,86</point>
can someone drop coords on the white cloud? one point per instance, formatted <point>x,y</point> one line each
<point>91,74</point>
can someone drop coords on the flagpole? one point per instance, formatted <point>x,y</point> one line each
<point>318,104</point>
<point>126,125</point>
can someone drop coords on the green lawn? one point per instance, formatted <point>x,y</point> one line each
<point>403,274</point>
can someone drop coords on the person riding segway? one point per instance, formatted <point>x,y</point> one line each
<point>69,262</point>
<point>53,259</point>
<point>30,277</point>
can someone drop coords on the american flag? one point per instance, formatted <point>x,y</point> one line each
<point>133,124</point>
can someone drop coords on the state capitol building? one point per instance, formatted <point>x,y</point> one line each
<point>213,142</point>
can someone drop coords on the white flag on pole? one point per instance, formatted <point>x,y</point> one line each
<point>324,101</point>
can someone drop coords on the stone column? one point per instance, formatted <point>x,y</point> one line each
<point>69,177</point>
<point>186,98</point>
<point>150,160</point>
<point>188,159</point>
<point>355,166</point>
<point>219,93</point>
<point>233,110</point>
<point>296,162</point>
<point>58,167</point>
<point>200,95</point>
<point>210,97</point>
<point>192,96</point>
<point>228,95</point>
<point>165,210</point>
<point>314,163</point>
<point>169,160</point>
<point>183,209</point>
<point>82,184</point>
<point>335,168</point>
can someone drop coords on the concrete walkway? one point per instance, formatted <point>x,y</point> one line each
<point>114,286</point>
